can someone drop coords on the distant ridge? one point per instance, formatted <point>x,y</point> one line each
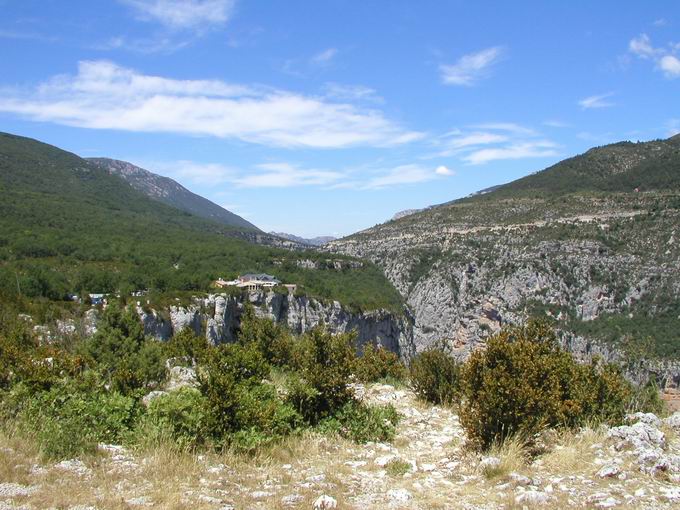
<point>314,241</point>
<point>170,192</point>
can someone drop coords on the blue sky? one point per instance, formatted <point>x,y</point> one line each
<point>320,118</point>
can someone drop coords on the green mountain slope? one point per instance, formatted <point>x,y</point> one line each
<point>575,242</point>
<point>170,193</point>
<point>67,226</point>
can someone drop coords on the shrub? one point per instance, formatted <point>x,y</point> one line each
<point>187,344</point>
<point>362,423</point>
<point>377,364</point>
<point>68,421</point>
<point>324,363</point>
<point>397,467</point>
<point>241,411</point>
<point>435,377</point>
<point>126,358</point>
<point>523,382</point>
<point>272,340</point>
<point>178,417</point>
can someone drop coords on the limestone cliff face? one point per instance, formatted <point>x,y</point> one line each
<point>218,317</point>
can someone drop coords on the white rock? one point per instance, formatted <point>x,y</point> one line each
<point>490,462</point>
<point>399,495</point>
<point>291,499</point>
<point>607,503</point>
<point>673,420</point>
<point>608,471</point>
<point>149,397</point>
<point>13,490</point>
<point>648,418</point>
<point>384,460</point>
<point>260,494</point>
<point>532,497</point>
<point>75,466</point>
<point>640,435</point>
<point>325,502</point>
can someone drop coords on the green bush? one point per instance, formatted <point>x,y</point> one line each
<point>178,417</point>
<point>187,344</point>
<point>68,420</point>
<point>377,363</point>
<point>523,382</point>
<point>272,340</point>
<point>362,423</point>
<point>241,410</point>
<point>435,377</point>
<point>126,358</point>
<point>324,363</point>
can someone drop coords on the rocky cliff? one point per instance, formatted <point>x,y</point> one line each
<point>218,317</point>
<point>591,243</point>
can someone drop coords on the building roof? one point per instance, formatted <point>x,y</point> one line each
<point>263,277</point>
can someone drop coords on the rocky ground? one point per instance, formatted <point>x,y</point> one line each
<point>426,466</point>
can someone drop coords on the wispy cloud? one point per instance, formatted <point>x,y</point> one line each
<point>555,123</point>
<point>104,95</point>
<point>324,57</point>
<point>488,142</point>
<point>285,175</point>
<point>183,14</point>
<point>673,127</point>
<point>598,101</point>
<point>472,67</point>
<point>522,150</point>
<point>352,93</point>
<point>405,174</point>
<point>666,59</point>
<point>25,35</point>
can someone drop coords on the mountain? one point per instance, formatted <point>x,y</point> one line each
<point>592,242</point>
<point>171,193</point>
<point>69,226</point>
<point>314,241</point>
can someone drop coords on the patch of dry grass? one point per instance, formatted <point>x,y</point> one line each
<point>512,454</point>
<point>572,450</point>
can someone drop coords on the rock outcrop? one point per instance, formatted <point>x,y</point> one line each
<point>218,318</point>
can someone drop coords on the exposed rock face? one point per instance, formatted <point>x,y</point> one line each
<point>577,243</point>
<point>221,315</point>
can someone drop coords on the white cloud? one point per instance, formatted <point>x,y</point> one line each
<point>554,123</point>
<point>665,58</point>
<point>324,57</point>
<point>442,170</point>
<point>599,101</point>
<point>191,171</point>
<point>670,65</point>
<point>104,95</point>
<point>405,174</point>
<point>472,67</point>
<point>488,142</point>
<point>642,47</point>
<point>183,14</point>
<point>352,93</point>
<point>673,127</point>
<point>285,175</point>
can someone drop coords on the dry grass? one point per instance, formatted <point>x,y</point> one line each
<point>513,458</point>
<point>572,451</point>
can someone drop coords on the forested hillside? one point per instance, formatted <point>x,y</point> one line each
<point>67,226</point>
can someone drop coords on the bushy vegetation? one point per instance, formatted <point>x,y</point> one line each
<point>379,364</point>
<point>523,382</point>
<point>435,377</point>
<point>71,395</point>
